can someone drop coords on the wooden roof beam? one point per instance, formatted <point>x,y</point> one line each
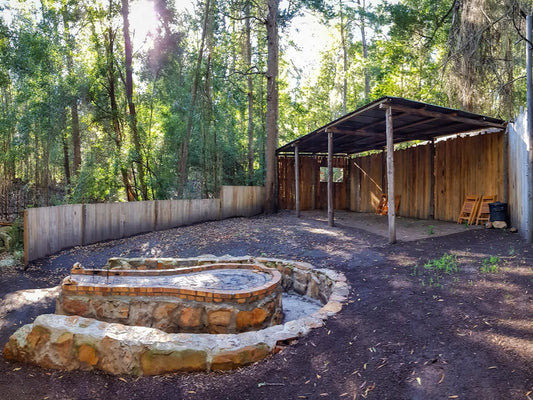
<point>413,124</point>
<point>446,116</point>
<point>352,132</point>
<point>361,131</point>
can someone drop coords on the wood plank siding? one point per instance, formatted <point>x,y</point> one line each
<point>462,165</point>
<point>313,193</point>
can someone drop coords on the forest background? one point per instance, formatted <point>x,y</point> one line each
<point>94,110</point>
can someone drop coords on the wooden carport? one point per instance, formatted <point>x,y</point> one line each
<point>382,124</point>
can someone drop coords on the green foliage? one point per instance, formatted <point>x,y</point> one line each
<point>16,232</point>
<point>59,56</point>
<point>447,264</point>
<point>490,265</point>
<point>435,270</point>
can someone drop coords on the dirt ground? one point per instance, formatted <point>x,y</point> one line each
<point>407,332</point>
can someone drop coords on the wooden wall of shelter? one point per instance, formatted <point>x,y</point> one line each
<point>412,176</point>
<point>462,166</point>
<point>470,165</point>
<point>313,193</point>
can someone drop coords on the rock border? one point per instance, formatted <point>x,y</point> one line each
<point>73,342</point>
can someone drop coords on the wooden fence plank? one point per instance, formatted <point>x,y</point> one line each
<point>241,201</point>
<point>518,173</point>
<point>50,229</point>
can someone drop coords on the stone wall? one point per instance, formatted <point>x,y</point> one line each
<point>172,309</point>
<point>73,342</point>
<point>175,315</point>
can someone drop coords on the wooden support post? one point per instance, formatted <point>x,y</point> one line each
<point>297,180</point>
<point>330,179</point>
<point>529,99</point>
<point>432,179</point>
<point>383,169</point>
<point>390,176</point>
<point>346,181</point>
<point>316,175</point>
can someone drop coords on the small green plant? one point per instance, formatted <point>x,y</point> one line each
<point>466,225</point>
<point>490,265</point>
<point>446,264</point>
<point>415,268</point>
<point>511,251</point>
<point>431,229</point>
<point>434,282</point>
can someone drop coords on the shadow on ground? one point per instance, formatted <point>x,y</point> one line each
<point>407,332</point>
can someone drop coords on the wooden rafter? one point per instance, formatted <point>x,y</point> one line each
<point>452,116</point>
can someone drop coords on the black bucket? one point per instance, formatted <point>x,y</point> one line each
<point>498,211</point>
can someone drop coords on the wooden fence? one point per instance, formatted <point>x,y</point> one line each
<point>48,230</point>
<point>431,180</point>
<point>518,173</point>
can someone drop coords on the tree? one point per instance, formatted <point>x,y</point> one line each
<point>481,63</point>
<point>250,87</point>
<point>272,106</point>
<point>184,153</point>
<point>138,158</point>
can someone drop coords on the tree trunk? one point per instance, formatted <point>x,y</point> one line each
<point>250,85</point>
<point>508,86</point>
<point>76,136</point>
<point>131,105</point>
<point>272,107</point>
<point>183,161</point>
<point>344,60</point>
<point>66,158</point>
<point>110,65</point>
<point>9,172</point>
<point>75,121</point>
<point>208,107</point>
<point>362,9</point>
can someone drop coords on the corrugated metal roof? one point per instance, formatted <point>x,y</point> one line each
<point>364,128</point>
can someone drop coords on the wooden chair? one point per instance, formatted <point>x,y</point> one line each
<point>483,214</point>
<point>469,211</point>
<point>383,206</point>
